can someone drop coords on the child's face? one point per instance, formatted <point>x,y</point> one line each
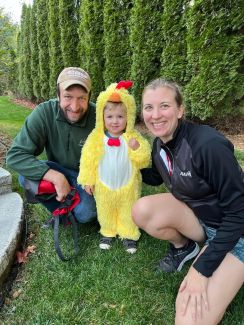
<point>115,120</point>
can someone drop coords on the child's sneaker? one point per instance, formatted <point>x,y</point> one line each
<point>130,245</point>
<point>105,242</point>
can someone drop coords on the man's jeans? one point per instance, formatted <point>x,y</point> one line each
<point>85,211</point>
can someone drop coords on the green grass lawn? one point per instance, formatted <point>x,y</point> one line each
<point>97,287</point>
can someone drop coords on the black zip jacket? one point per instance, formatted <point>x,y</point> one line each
<point>207,177</point>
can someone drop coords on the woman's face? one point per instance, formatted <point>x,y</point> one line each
<point>161,112</point>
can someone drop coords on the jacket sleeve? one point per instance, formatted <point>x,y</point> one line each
<point>221,169</point>
<point>27,145</point>
<point>90,154</point>
<point>141,156</point>
<point>151,175</point>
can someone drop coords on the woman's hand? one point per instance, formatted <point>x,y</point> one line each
<point>194,294</point>
<point>89,189</point>
<point>133,144</point>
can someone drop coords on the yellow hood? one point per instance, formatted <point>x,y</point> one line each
<point>125,98</point>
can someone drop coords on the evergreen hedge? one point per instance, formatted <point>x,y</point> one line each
<point>36,87</point>
<point>55,53</point>
<point>91,46</point>
<point>42,43</point>
<point>69,18</point>
<point>26,48</point>
<point>197,43</point>
<point>215,56</point>
<point>117,51</point>
<point>173,57</point>
<point>146,41</point>
<point>8,64</point>
<point>20,51</point>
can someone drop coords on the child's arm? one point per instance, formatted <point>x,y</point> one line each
<point>139,150</point>
<point>89,189</point>
<point>90,154</point>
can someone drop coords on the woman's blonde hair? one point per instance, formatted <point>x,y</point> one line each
<point>160,82</point>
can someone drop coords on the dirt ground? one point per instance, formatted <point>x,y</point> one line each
<point>232,129</point>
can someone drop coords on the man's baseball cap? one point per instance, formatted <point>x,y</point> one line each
<point>74,76</point>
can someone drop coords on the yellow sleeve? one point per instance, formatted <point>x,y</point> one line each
<point>141,156</point>
<point>90,155</point>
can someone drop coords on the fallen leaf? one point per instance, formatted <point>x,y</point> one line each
<point>31,235</point>
<point>7,301</point>
<point>16,293</point>
<point>109,305</point>
<point>112,306</point>
<point>22,257</point>
<point>31,249</point>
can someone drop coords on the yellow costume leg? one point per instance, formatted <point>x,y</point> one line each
<point>126,228</point>
<point>106,211</point>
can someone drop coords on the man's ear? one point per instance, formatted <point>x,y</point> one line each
<point>58,92</point>
<point>89,98</point>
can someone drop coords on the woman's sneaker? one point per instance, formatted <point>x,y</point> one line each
<point>177,257</point>
<point>105,242</point>
<point>130,245</point>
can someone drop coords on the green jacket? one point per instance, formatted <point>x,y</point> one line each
<point>47,129</point>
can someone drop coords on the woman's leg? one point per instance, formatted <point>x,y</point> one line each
<point>164,217</point>
<point>223,285</point>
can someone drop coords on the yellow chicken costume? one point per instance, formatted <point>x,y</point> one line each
<point>114,170</point>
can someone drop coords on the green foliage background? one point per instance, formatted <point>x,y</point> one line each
<point>91,46</point>
<point>197,43</point>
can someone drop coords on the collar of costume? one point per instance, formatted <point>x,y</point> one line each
<point>112,141</point>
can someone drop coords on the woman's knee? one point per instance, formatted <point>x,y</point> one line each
<point>148,211</point>
<point>139,212</point>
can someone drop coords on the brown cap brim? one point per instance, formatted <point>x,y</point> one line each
<point>67,83</point>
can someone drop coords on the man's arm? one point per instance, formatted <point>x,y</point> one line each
<point>28,144</point>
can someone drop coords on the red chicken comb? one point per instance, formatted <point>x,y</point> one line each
<point>124,84</point>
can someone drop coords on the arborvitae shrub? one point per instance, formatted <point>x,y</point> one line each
<point>91,46</point>
<point>55,53</point>
<point>117,50</point>
<point>146,43</point>
<point>215,54</point>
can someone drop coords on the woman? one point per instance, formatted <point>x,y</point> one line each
<point>206,202</point>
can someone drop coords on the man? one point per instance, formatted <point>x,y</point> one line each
<point>60,127</point>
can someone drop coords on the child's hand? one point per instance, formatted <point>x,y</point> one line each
<point>89,189</point>
<point>133,144</point>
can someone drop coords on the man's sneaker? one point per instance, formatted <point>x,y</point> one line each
<point>105,242</point>
<point>177,257</point>
<point>130,245</point>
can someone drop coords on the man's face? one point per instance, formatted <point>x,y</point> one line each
<point>73,102</point>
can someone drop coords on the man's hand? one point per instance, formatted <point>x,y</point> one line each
<point>194,294</point>
<point>60,183</point>
<point>89,189</point>
<point>133,144</point>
